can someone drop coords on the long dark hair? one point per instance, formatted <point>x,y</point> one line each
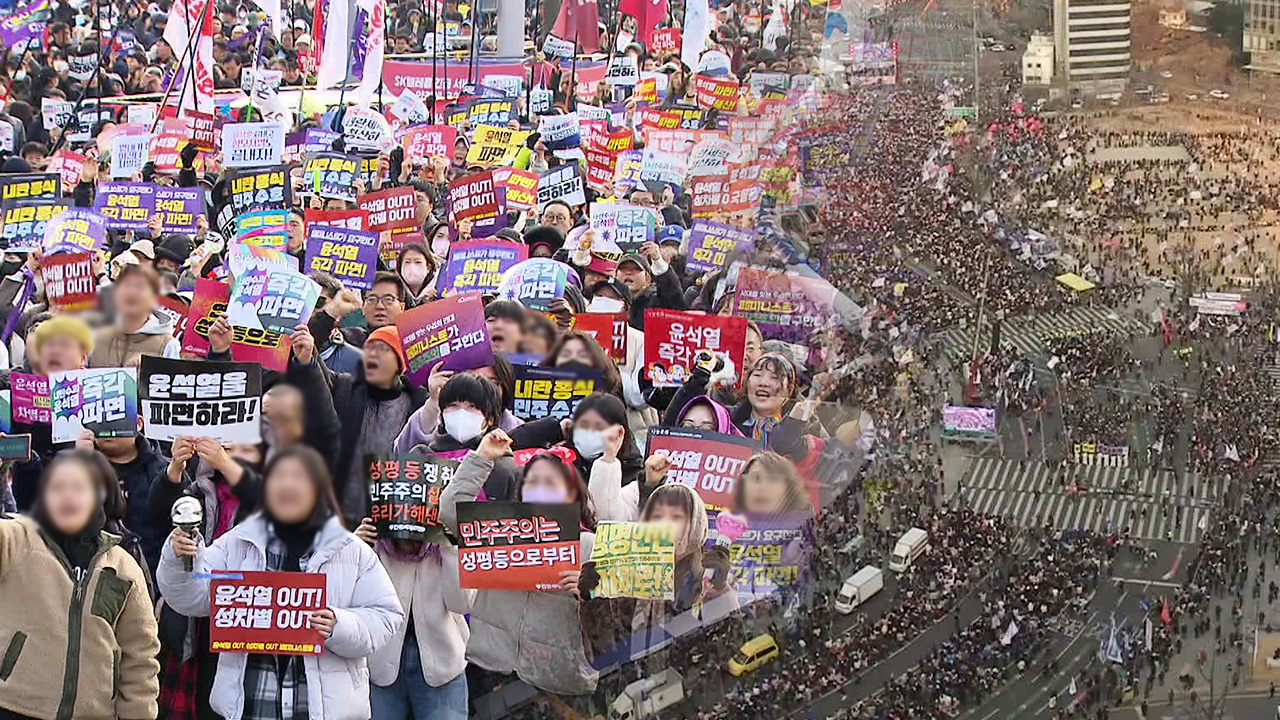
<point>109,498</point>
<point>612,379</point>
<point>317,471</point>
<point>614,412</point>
<point>572,478</point>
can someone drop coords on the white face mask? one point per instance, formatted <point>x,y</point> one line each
<point>440,246</point>
<point>601,304</point>
<point>463,425</point>
<point>589,443</point>
<point>414,274</point>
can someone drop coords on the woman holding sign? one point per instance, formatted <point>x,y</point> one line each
<point>298,530</point>
<point>99,660</point>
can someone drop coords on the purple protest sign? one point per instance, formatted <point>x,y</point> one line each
<point>27,21</point>
<point>478,265</point>
<point>179,208</point>
<point>786,306</point>
<point>711,244</point>
<point>75,230</point>
<point>452,329</point>
<point>126,205</point>
<point>349,255</point>
<point>30,399</point>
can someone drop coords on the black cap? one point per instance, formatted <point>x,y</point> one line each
<point>616,286</point>
<point>639,260</point>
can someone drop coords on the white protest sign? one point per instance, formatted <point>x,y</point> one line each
<point>56,113</point>
<point>555,47</point>
<point>540,101</point>
<point>129,154</point>
<point>562,183</point>
<point>367,129</point>
<point>664,167</point>
<point>142,114</point>
<point>509,85</point>
<point>710,157</point>
<point>410,108</point>
<point>623,70</point>
<point>252,144</point>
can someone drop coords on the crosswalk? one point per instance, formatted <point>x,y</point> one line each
<point>1116,497</point>
<point>1028,334</point>
<point>1273,374</point>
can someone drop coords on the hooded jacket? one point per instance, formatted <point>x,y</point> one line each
<point>114,347</point>
<point>135,480</point>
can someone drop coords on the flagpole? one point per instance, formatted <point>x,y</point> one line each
<point>430,7</point>
<point>302,93</point>
<point>474,45</point>
<point>75,112</point>
<point>169,90</point>
<point>342,94</point>
<point>571,102</point>
<point>253,80</point>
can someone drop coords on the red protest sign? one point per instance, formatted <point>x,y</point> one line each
<point>672,338</point>
<point>391,209</point>
<point>708,194</point>
<point>654,119</point>
<point>68,280</point>
<point>69,166</point>
<point>350,219</point>
<point>718,93</point>
<point>265,612</point>
<point>516,546</point>
<point>520,186</point>
<point>610,330</point>
<point>267,348</point>
<point>665,41</point>
<point>564,452</point>
<point>707,462</point>
<point>427,141</point>
<point>473,197</point>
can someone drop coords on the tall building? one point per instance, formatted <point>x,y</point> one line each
<point>1037,61</point>
<point>1262,34</point>
<point>1091,38</point>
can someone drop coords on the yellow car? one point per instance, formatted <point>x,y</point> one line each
<point>755,652</point>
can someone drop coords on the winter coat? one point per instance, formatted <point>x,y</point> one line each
<point>116,348</point>
<point>430,593</point>
<point>135,480</point>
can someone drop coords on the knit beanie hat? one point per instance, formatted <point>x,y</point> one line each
<point>389,335</point>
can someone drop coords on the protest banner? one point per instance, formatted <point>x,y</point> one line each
<point>74,230</point>
<point>517,546</point>
<point>518,189</point>
<point>635,559</point>
<point>404,495</point>
<point>674,338</point>
<point>969,421</point>
<point>272,298</point>
<point>178,208</point>
<point>609,329</point>
<point>351,256</point>
<point>494,146</point>
<point>709,195</point>
<point>248,345</point>
<point>69,282</point>
<point>221,400</point>
<point>716,93</point>
<point>625,227</point>
<point>563,183</point>
<point>536,282</point>
<point>15,447</point>
<point>364,128</point>
<point>331,175</point>
<point>69,166</point>
<point>478,265</point>
<point>559,132</point>
<point>56,114</point>
<point>711,245</point>
<point>265,612</point>
<point>25,220</point>
<point>663,167</point>
<point>354,219</point>
<point>29,399</point>
<point>129,154</point>
<point>410,109</point>
<point>543,391</point>
<point>786,306</point>
<point>489,111</point>
<point>623,71</point>
<point>390,209</point>
<point>101,400</point>
<point>252,144</point>
<point>707,462</point>
<point>30,185</point>
<point>473,197</point>
<point>664,42</point>
<point>253,189</point>
<point>553,46</point>
<point>452,329</point>
<point>125,205</point>
<point>429,141</point>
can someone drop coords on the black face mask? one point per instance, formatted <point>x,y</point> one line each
<point>8,268</point>
<point>575,365</point>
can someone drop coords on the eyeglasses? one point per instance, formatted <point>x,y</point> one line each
<point>377,300</point>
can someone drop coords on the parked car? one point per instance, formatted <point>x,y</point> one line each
<point>1219,94</point>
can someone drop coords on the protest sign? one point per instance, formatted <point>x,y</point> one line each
<point>367,129</point>
<point>390,209</point>
<point>56,114</point>
<point>141,113</point>
<point>354,219</point>
<point>675,337</point>
<point>129,154</point>
<point>493,146</point>
<point>540,100</point>
<point>69,282</point>
<point>490,112</point>
<point>25,221</point>
<point>351,256</point>
<point>517,546</point>
<point>519,188</point>
<point>562,183</point>
<point>786,306</point>
<point>272,298</point>
<point>429,141</point>
<point>410,109</point>
<point>125,205</point>
<point>265,612</point>
<point>709,195</point>
<point>610,330</point>
<point>74,230</point>
<point>536,282</point>
<point>716,93</point>
<point>555,47</point>
<point>624,71</point>
<point>248,345</point>
<point>15,447</point>
<point>711,245</point>
<point>543,391</point>
<point>663,167</point>
<point>29,399</point>
<point>101,400</point>
<point>823,154</point>
<point>331,175</point>
<point>710,156</point>
<point>253,144</point>
<point>664,42</point>
<point>770,554</point>
<point>707,462</point>
<point>82,65</point>
<point>473,197</point>
<point>69,166</point>
<point>404,495</point>
<point>222,399</point>
<point>178,208</point>
<point>559,132</point>
<point>635,559</point>
<point>452,329</point>
<point>30,185</point>
<point>627,227</point>
<point>626,172</point>
<point>253,189</point>
<point>478,265</point>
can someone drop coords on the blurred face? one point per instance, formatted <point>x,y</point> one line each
<point>674,514</point>
<point>164,264</point>
<point>421,206</point>
<point>591,420</point>
<point>382,306</point>
<point>134,297</point>
<point>414,269</point>
<point>643,198</point>
<point>115,447</point>
<point>284,413</point>
<point>636,279</point>
<point>700,417</point>
<point>558,217</point>
<point>290,494</point>
<point>755,347</point>
<point>61,352</point>
<point>381,364</point>
<point>574,351</point>
<point>70,497</point>
<point>297,232</point>
<point>669,250</point>
<point>251,454</point>
<point>487,373</point>
<point>541,251</point>
<point>767,391</point>
<point>505,334</point>
<point>543,480</point>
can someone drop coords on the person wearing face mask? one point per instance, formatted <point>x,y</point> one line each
<point>589,434</point>
<point>576,350</point>
<point>417,267</point>
<point>470,406</point>
<point>537,636</point>
<point>422,426</point>
<point>611,297</point>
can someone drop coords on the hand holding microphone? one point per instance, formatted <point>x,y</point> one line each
<point>187,514</point>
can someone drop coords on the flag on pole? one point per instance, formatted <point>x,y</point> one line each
<point>368,46</point>
<point>1009,633</point>
<point>1150,631</point>
<point>697,27</point>
<point>1071,689</point>
<point>271,8</point>
<point>774,29</point>
<point>1165,616</point>
<point>184,17</point>
<point>580,20</point>
<point>648,14</point>
<point>332,38</point>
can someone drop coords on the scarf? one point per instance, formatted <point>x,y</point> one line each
<point>763,427</point>
<point>422,551</point>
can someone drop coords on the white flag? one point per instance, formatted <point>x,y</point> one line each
<point>774,29</point>
<point>368,46</point>
<point>271,8</point>
<point>336,46</point>
<point>697,27</point>
<point>184,17</point>
<point>1009,632</point>
<point>1071,689</point>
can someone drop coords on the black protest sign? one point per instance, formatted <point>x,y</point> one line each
<point>404,495</point>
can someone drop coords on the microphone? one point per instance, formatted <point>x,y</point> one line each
<point>187,514</point>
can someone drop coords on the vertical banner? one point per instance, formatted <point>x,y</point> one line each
<point>516,546</point>
<point>102,400</point>
<point>221,400</point>
<point>635,559</point>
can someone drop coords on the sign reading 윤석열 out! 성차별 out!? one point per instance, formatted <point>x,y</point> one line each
<point>265,612</point>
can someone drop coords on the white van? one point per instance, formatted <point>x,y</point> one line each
<point>859,588</point>
<point>911,545</point>
<point>648,697</point>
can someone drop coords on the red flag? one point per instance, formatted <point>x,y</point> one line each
<point>648,14</point>
<point>1165,617</point>
<point>579,21</point>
